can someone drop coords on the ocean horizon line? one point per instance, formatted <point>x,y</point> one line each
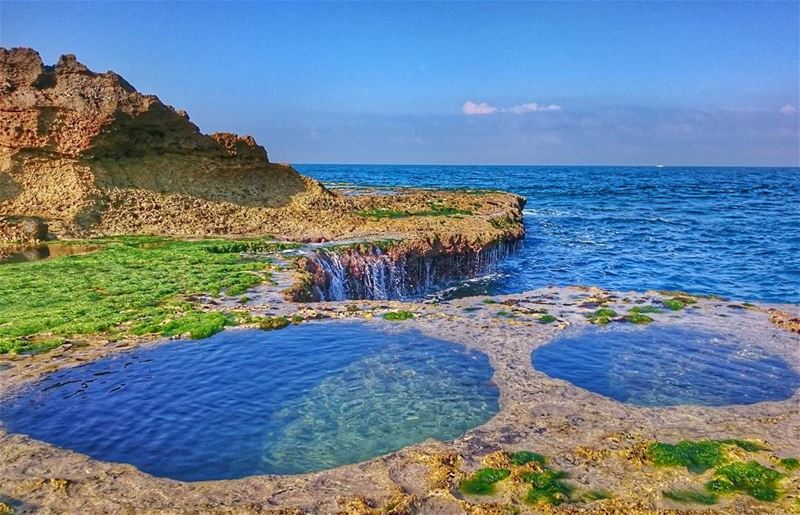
<point>476,165</point>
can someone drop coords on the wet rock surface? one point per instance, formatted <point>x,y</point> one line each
<point>600,443</point>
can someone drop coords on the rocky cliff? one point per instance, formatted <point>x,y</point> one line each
<point>87,153</point>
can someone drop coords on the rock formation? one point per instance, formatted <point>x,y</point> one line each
<point>84,154</point>
<point>88,154</point>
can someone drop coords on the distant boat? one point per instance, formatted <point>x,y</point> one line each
<point>659,166</point>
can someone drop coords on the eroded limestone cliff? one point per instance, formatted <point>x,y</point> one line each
<point>88,154</point>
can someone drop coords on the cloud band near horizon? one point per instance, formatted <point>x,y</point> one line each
<point>471,108</point>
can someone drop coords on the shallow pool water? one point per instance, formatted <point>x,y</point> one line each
<point>245,402</point>
<point>667,366</point>
<point>24,253</point>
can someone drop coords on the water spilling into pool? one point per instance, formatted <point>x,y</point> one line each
<point>242,402</point>
<point>667,366</point>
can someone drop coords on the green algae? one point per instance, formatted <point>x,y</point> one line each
<point>435,209</point>
<point>646,309</point>
<point>132,285</point>
<point>547,487</point>
<point>596,495</point>
<point>197,324</point>
<point>382,214</point>
<point>398,315</point>
<point>602,316</point>
<point>638,318</point>
<point>364,247</point>
<point>521,458</point>
<point>696,456</point>
<point>748,477</point>
<point>746,445</point>
<point>503,223</point>
<point>272,323</point>
<point>482,481</point>
<point>489,301</point>
<point>472,308</point>
<point>687,496</point>
<point>674,304</point>
<point>250,246</point>
<point>504,314</point>
<point>789,464</point>
<point>679,301</point>
<point>547,319</point>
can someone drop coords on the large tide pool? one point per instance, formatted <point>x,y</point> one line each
<point>248,402</point>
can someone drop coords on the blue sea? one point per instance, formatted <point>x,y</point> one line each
<point>733,232</point>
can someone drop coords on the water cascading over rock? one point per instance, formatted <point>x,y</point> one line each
<point>369,271</point>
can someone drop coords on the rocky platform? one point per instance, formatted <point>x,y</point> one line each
<point>599,442</point>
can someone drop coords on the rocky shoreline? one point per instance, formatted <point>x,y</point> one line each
<point>598,441</point>
<point>84,155</point>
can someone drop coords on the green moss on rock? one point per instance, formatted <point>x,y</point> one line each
<point>750,477</point>
<point>398,315</point>
<point>547,487</point>
<point>197,324</point>
<point>482,481</point>
<point>747,445</point>
<point>521,458</point>
<point>602,316</point>
<point>596,495</point>
<point>272,323</point>
<point>129,286</point>
<point>691,497</point>
<point>647,308</point>
<point>696,456</point>
<point>638,318</point>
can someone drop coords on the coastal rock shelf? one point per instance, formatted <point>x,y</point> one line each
<point>604,446</point>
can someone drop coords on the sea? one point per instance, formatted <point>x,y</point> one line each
<point>733,232</point>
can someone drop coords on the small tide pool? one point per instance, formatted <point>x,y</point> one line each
<point>23,253</point>
<point>246,402</point>
<point>667,366</point>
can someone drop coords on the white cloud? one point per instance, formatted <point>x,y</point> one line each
<point>788,109</point>
<point>532,107</point>
<point>471,108</point>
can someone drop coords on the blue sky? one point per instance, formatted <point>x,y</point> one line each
<point>484,83</point>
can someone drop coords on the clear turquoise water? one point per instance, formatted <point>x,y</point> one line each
<point>240,403</point>
<point>667,366</point>
<point>726,231</point>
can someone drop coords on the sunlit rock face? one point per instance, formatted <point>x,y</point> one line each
<point>87,153</point>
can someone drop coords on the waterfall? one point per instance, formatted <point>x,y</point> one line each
<point>367,272</point>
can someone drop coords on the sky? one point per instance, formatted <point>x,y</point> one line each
<point>607,83</point>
